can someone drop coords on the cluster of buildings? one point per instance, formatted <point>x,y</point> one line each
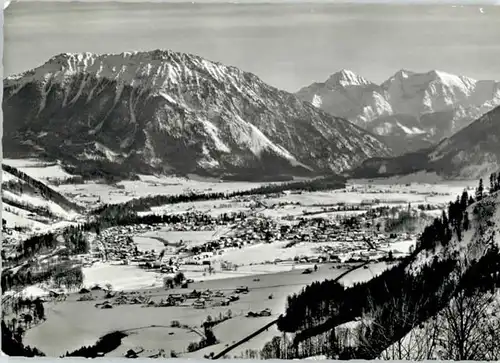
<point>245,229</point>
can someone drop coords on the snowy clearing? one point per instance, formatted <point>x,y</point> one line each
<point>38,169</point>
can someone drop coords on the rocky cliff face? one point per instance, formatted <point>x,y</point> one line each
<point>170,112</point>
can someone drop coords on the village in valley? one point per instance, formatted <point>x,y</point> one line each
<point>205,275</point>
<point>270,180</point>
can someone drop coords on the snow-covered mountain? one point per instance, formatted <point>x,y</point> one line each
<point>163,111</point>
<point>438,103</point>
<point>345,94</point>
<point>471,153</point>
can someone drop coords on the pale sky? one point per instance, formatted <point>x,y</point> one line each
<point>289,46</point>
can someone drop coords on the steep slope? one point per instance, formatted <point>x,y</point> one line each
<point>162,111</point>
<point>471,153</point>
<point>29,205</point>
<point>476,253</point>
<point>457,252</point>
<point>439,103</point>
<point>473,243</point>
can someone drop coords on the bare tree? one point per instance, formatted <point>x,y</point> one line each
<point>388,331</point>
<point>275,349</point>
<point>468,329</point>
<point>419,344</point>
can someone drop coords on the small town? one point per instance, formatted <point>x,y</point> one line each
<point>330,241</point>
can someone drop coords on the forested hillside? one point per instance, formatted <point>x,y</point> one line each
<point>456,256</point>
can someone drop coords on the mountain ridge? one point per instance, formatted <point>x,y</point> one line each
<point>439,104</point>
<point>164,106</point>
<point>471,153</point>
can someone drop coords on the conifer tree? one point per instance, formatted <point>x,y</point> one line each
<point>480,190</point>
<point>466,221</point>
<point>493,182</point>
<point>464,200</point>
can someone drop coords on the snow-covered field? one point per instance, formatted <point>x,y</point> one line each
<point>267,252</point>
<point>150,185</point>
<point>421,177</point>
<point>255,259</point>
<point>251,260</point>
<point>36,201</point>
<point>38,169</point>
<point>148,244</point>
<point>400,246</point>
<point>212,207</point>
<point>71,324</point>
<point>391,195</point>
<point>14,218</point>
<point>190,238</point>
<point>390,190</point>
<point>120,277</point>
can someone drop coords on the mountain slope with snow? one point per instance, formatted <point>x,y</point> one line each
<point>345,94</point>
<point>455,255</point>
<point>162,111</point>
<point>471,153</point>
<point>440,103</point>
<point>29,205</point>
<point>473,250</point>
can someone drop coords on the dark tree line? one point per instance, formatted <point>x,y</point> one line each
<point>350,302</point>
<point>396,301</point>
<point>442,229</point>
<point>74,240</point>
<point>494,185</point>
<point>20,304</point>
<point>105,344</point>
<point>19,314</point>
<point>64,274</point>
<point>44,190</point>
<point>207,341</point>
<point>494,182</point>
<point>39,210</point>
<point>145,203</point>
<point>12,345</point>
<point>482,275</point>
<point>478,278</point>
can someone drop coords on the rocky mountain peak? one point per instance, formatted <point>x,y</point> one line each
<point>173,112</point>
<point>346,78</point>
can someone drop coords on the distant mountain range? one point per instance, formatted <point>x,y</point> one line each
<point>472,152</point>
<point>175,113</point>
<point>168,112</point>
<point>410,110</point>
